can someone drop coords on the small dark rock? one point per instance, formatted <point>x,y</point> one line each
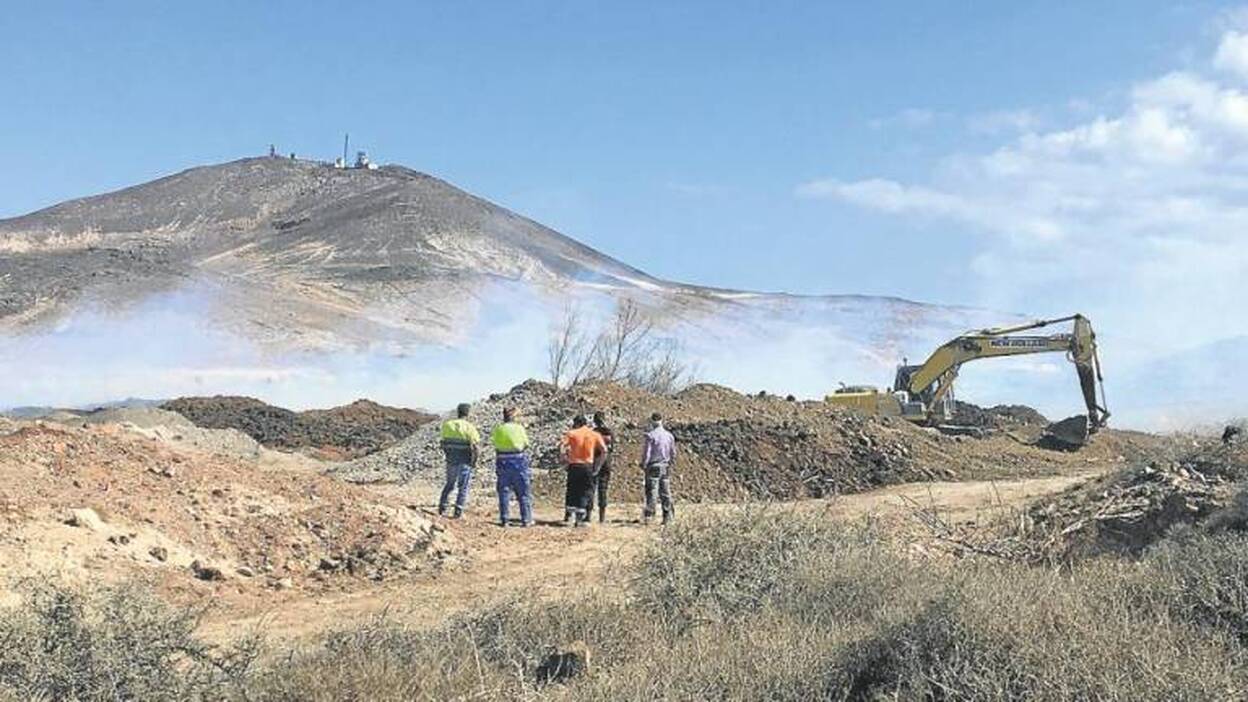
<point>207,572</point>
<point>560,665</point>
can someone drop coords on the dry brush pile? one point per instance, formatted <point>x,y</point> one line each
<point>1127,511</point>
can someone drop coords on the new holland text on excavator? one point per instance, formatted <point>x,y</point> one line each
<point>923,393</point>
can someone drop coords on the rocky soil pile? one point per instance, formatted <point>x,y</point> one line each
<point>101,501</point>
<point>544,411</point>
<point>1126,511</point>
<point>997,416</point>
<point>354,430</point>
<point>737,446</point>
<point>173,428</point>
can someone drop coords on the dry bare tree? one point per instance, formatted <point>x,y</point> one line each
<point>625,350</point>
<point>662,371</point>
<point>571,350</point>
<point>623,343</point>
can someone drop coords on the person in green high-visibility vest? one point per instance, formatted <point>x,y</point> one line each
<point>461,443</point>
<point>511,464</point>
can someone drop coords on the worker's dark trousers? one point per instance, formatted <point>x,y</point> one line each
<point>580,483</point>
<point>659,484</point>
<point>602,482</point>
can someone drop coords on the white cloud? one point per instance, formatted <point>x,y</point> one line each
<point>1232,53</point>
<point>1137,217</point>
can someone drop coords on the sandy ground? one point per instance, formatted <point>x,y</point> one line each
<point>549,559</point>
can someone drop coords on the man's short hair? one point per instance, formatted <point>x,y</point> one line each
<point>463,409</point>
<point>600,418</point>
<point>656,417</point>
<point>578,421</point>
<point>509,413</point>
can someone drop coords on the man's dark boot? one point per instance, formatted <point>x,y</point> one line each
<point>602,515</point>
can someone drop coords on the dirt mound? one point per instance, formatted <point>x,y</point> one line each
<point>997,416</point>
<point>354,430</point>
<point>1126,511</point>
<point>171,428</point>
<point>101,501</point>
<point>737,446</point>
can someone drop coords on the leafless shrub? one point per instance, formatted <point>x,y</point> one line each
<point>626,349</point>
<point>571,349</point>
<point>113,644</point>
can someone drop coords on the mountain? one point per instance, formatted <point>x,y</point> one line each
<point>295,246</point>
<point>300,256</point>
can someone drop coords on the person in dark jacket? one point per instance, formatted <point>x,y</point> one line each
<point>602,480</point>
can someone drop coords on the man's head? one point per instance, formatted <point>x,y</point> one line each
<point>462,410</point>
<point>656,419</point>
<point>600,419</point>
<point>578,421</point>
<point>509,414</point>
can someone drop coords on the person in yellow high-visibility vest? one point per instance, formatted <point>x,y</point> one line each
<point>461,443</point>
<point>511,464</point>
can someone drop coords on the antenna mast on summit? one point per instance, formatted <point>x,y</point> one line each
<point>346,139</point>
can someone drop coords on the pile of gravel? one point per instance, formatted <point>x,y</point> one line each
<point>173,428</point>
<point>545,412</point>
<point>997,416</point>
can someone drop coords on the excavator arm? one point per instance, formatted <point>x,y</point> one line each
<point>932,381</point>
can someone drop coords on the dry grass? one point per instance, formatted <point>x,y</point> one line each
<point>763,605</point>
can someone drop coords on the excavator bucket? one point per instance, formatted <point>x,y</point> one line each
<point>1070,434</point>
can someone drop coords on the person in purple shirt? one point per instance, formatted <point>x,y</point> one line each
<point>658,454</point>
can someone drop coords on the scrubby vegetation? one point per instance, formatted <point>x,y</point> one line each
<point>116,644</point>
<point>765,604</point>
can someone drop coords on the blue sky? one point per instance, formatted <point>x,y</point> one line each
<point>675,136</point>
<point>1032,157</point>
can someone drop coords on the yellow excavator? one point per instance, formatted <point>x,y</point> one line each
<point>923,393</point>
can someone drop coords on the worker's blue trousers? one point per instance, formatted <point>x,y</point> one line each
<point>458,480</point>
<point>513,476</point>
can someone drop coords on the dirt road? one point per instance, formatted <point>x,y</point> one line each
<point>551,559</point>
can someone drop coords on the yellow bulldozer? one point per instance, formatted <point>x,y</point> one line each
<point>924,393</point>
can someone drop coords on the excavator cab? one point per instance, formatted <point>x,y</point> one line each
<point>918,407</point>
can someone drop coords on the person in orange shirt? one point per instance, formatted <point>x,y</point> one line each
<point>583,451</point>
